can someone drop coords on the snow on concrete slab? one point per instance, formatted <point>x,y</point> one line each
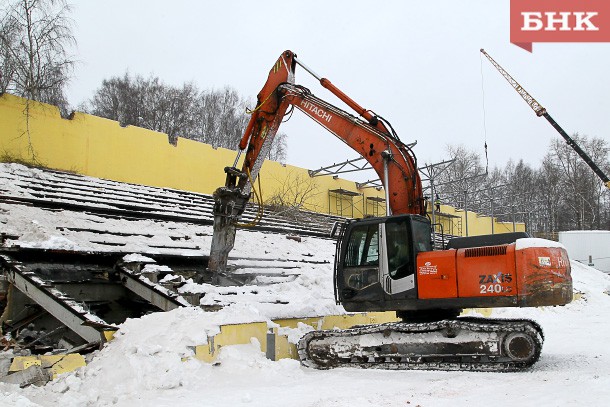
<point>137,258</point>
<point>143,366</point>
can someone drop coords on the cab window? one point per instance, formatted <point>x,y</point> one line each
<point>421,236</point>
<point>400,254</point>
<point>363,246</point>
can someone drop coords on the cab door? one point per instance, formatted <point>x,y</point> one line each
<point>402,238</point>
<point>357,268</point>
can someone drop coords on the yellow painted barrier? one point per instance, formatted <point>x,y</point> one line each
<point>279,347</point>
<point>237,334</point>
<point>57,364</point>
<point>275,345</point>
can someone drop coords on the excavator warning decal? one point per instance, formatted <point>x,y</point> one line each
<point>278,64</point>
<point>427,269</point>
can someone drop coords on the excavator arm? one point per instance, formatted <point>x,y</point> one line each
<point>369,135</point>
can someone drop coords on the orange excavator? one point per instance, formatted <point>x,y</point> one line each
<point>388,263</point>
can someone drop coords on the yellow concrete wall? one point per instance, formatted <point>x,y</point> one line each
<point>239,334</point>
<point>477,224</point>
<point>57,364</point>
<point>98,147</point>
<point>101,148</point>
<point>233,334</point>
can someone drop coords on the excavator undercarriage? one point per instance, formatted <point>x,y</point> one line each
<point>470,344</point>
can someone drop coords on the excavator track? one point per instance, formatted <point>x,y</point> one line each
<point>466,344</point>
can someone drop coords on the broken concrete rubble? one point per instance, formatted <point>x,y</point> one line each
<point>33,375</point>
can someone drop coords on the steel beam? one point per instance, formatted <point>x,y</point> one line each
<point>156,294</point>
<point>63,308</point>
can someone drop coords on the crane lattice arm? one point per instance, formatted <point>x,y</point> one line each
<point>533,103</point>
<point>541,111</point>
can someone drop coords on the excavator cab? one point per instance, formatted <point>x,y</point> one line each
<point>376,260</point>
<point>387,264</point>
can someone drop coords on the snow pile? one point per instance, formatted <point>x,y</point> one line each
<point>308,294</point>
<point>149,363</point>
<point>137,258</point>
<point>143,366</point>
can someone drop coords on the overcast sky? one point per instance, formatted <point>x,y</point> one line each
<point>416,63</point>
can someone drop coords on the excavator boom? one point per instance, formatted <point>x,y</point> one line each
<point>393,161</point>
<point>369,136</point>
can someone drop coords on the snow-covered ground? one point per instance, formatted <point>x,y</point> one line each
<point>149,362</point>
<point>143,367</point>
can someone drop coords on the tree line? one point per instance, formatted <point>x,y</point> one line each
<point>35,63</point>
<point>563,193</point>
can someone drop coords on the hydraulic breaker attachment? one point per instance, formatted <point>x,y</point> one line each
<point>229,203</point>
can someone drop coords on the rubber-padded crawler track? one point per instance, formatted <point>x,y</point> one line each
<point>469,344</point>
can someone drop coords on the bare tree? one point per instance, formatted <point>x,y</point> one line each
<point>582,191</point>
<point>461,176</point>
<point>221,119</point>
<point>8,41</point>
<point>549,194</point>
<point>36,36</point>
<point>216,117</point>
<point>519,196</point>
<point>295,193</point>
<point>117,100</point>
<point>279,148</point>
